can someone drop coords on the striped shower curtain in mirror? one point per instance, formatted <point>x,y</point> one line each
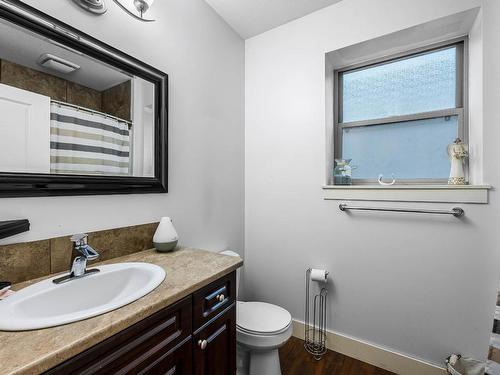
<point>82,142</point>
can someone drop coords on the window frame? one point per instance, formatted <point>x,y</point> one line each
<point>460,110</point>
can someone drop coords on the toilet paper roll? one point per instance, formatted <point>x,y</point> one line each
<point>319,275</point>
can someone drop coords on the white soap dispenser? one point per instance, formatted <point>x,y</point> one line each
<point>165,238</point>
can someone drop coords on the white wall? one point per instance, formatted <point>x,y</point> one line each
<point>420,285</point>
<point>205,62</point>
<point>476,100</point>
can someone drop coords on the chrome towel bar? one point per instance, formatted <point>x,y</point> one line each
<point>455,211</point>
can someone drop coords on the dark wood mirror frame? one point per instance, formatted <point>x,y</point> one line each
<point>38,184</point>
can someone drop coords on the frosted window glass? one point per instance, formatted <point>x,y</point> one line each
<point>410,150</point>
<point>418,84</point>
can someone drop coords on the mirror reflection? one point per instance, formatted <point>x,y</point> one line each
<point>63,112</point>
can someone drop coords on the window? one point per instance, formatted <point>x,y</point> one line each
<point>397,116</point>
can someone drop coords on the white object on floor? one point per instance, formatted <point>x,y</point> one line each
<point>261,328</point>
<point>46,304</point>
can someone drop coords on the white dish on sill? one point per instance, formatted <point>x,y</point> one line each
<point>46,304</point>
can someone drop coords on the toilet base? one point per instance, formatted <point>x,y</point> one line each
<point>257,362</point>
<point>265,362</point>
<point>242,360</point>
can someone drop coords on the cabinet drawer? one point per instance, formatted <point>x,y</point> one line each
<point>136,347</point>
<point>214,346</point>
<point>212,299</point>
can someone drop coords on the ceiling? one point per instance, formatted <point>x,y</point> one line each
<point>24,48</point>
<point>253,17</point>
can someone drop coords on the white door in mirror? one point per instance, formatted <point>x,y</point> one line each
<point>25,131</point>
<point>46,304</point>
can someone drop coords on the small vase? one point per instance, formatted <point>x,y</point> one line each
<point>165,238</point>
<point>342,173</point>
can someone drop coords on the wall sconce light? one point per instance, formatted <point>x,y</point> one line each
<point>137,8</point>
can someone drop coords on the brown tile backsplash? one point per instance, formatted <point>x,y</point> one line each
<point>25,261</point>
<point>83,96</point>
<point>116,100</point>
<point>32,80</point>
<point>60,254</point>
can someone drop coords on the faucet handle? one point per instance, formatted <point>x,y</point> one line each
<point>81,246</point>
<point>79,239</point>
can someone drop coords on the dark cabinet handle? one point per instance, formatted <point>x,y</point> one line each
<point>216,295</point>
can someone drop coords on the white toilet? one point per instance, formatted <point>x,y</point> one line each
<point>261,328</point>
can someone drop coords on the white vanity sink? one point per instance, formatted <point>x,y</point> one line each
<point>46,304</point>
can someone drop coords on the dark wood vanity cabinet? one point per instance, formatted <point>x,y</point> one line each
<point>215,346</point>
<point>196,335</point>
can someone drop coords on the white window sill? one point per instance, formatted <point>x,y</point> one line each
<point>409,193</point>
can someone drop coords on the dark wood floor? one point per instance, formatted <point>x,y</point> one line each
<point>296,361</point>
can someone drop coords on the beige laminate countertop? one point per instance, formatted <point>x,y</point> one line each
<point>32,352</point>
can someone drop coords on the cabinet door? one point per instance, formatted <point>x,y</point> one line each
<point>214,350</point>
<point>176,362</point>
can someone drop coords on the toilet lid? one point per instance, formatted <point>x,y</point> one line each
<point>261,317</point>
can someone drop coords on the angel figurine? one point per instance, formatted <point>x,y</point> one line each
<point>458,154</point>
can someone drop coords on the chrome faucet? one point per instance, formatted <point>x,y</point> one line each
<point>81,253</point>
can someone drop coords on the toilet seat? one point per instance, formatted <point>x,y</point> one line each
<point>262,325</point>
<point>250,332</point>
<point>262,318</point>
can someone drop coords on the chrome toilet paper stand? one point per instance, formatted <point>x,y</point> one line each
<point>315,323</point>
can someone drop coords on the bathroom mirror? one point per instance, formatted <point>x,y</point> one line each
<point>77,116</point>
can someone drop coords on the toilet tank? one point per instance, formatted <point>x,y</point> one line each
<point>233,254</point>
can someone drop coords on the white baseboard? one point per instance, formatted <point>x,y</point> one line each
<point>374,355</point>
